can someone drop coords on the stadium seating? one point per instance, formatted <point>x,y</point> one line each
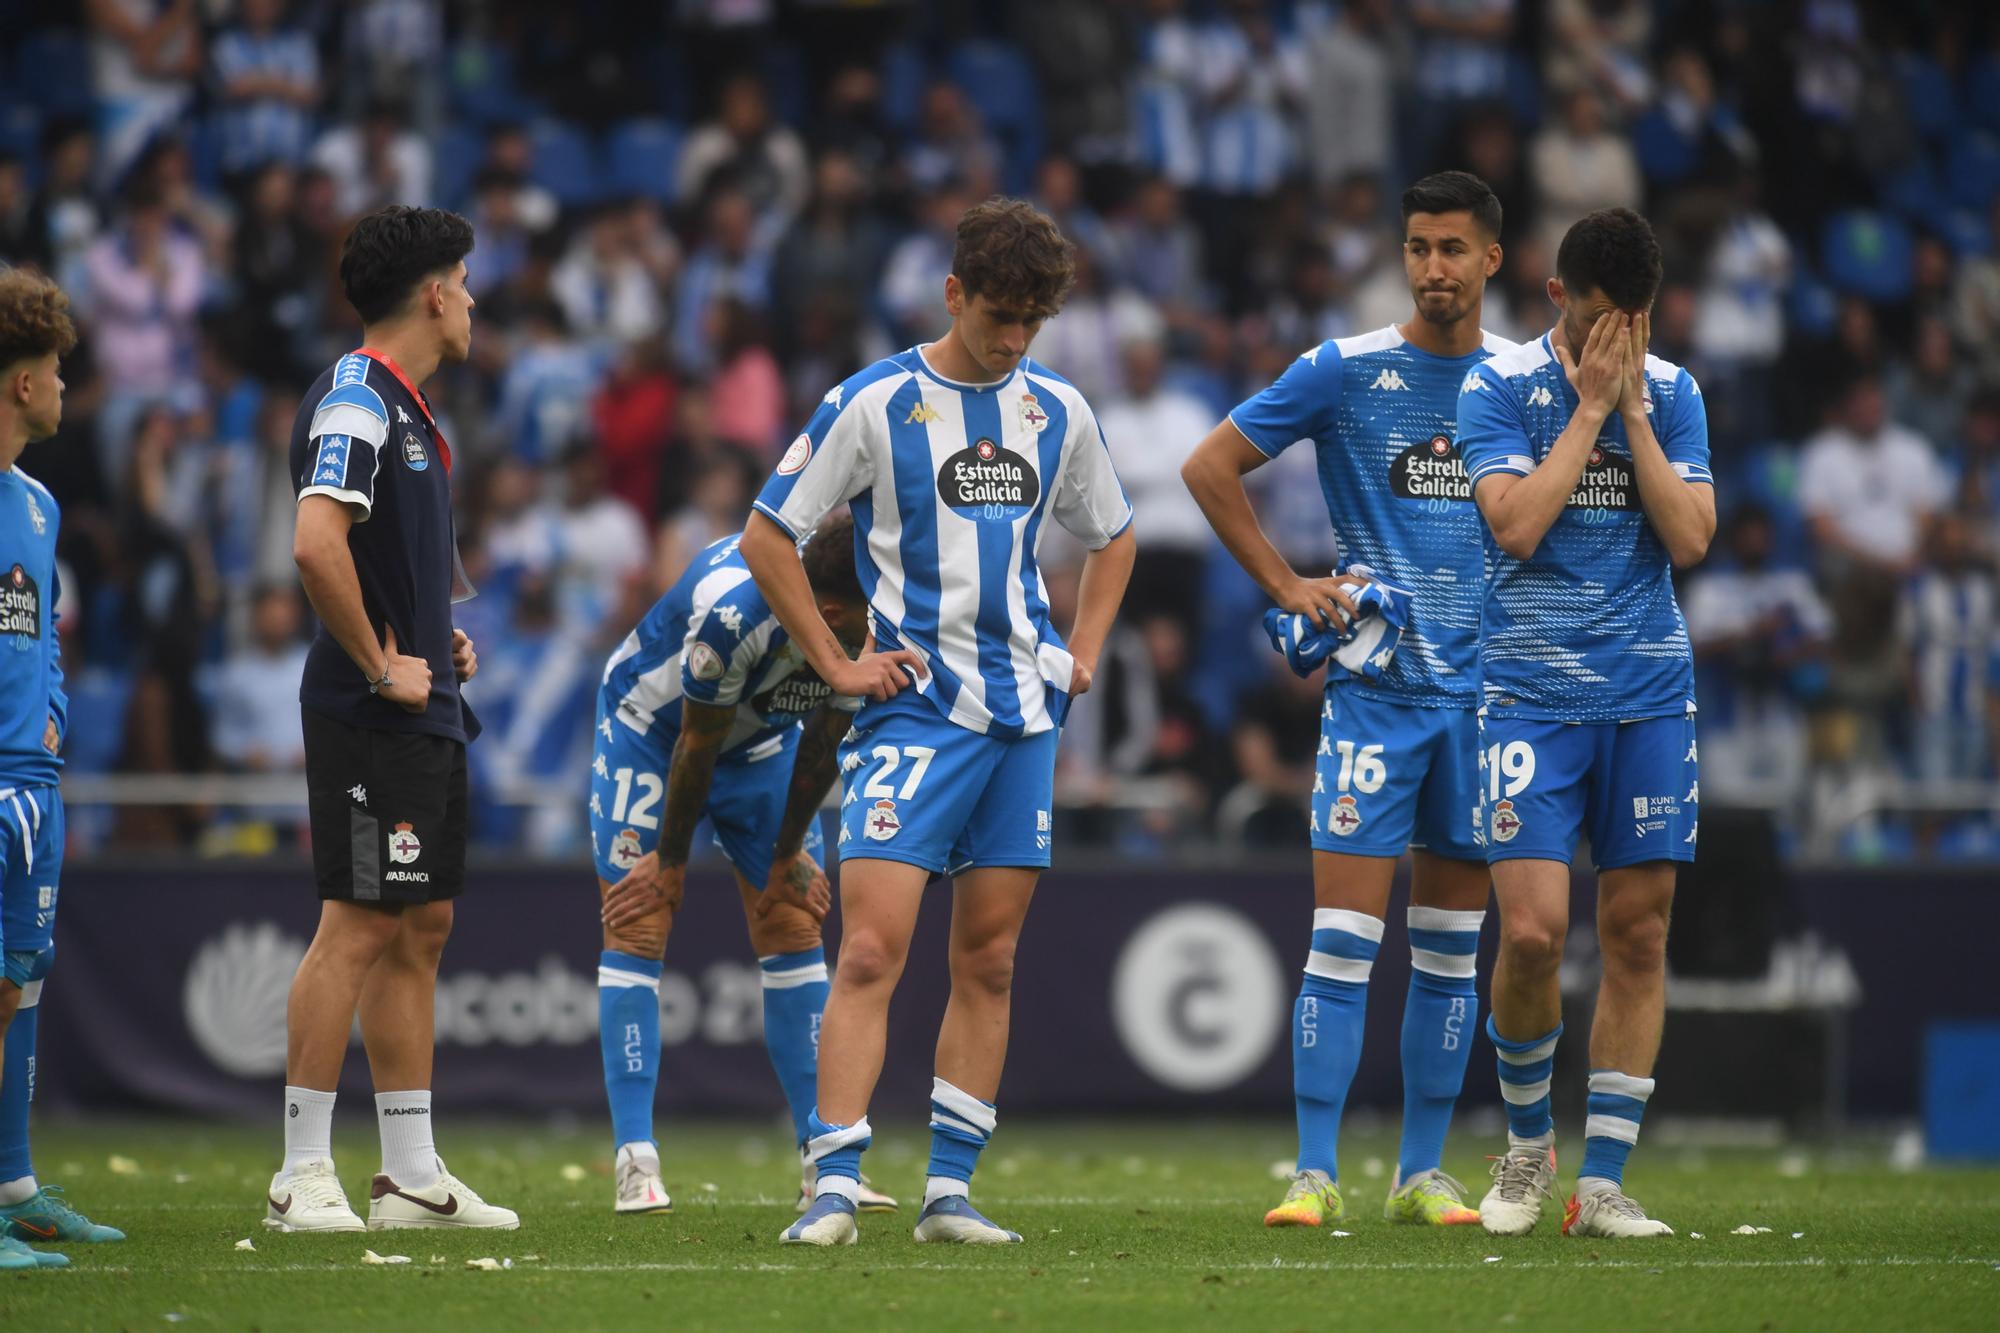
<point>639,158</point>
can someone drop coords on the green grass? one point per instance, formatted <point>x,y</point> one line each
<point>1150,1226</point>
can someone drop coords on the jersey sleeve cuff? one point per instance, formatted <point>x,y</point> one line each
<point>777,518</point>
<point>1519,465</point>
<point>1694,472</point>
<point>355,498</point>
<point>1117,532</point>
<point>1255,443</point>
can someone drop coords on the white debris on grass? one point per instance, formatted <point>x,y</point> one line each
<point>1696,1235</point>
<point>370,1257</point>
<point>1374,1168</point>
<point>1282,1169</point>
<point>1793,1165</point>
<point>245,1244</point>
<point>1343,1233</point>
<point>1492,1258</point>
<point>121,1166</point>
<point>490,1265</point>
<point>572,1172</point>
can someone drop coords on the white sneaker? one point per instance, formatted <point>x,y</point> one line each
<point>830,1221</point>
<point>1610,1213</point>
<point>309,1198</point>
<point>445,1203</point>
<point>1521,1180</point>
<point>869,1200</point>
<point>953,1220</point>
<point>640,1189</point>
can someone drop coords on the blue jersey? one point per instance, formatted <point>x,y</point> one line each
<point>713,639</point>
<point>1380,415</point>
<point>1587,628</point>
<point>949,485</point>
<point>31,689</point>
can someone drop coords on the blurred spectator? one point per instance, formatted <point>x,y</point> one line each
<point>1579,166</point>
<point>1273,746</point>
<point>1252,81</point>
<point>1689,135</point>
<point>393,47</point>
<point>144,56</point>
<point>545,393</point>
<point>1599,46</point>
<point>1461,58</point>
<point>17,238</point>
<point>609,293</point>
<point>852,124</point>
<point>1349,100</point>
<point>1161,251</point>
<point>255,726</point>
<point>278,267</point>
<point>1949,622</point>
<point>144,285</point>
<point>718,502</point>
<point>267,84</point>
<point>1150,430</point>
<point>1083,338</point>
<point>1739,324</point>
<point>1170,60</point>
<point>952,147</point>
<point>733,260</point>
<point>911,295</point>
<point>64,218</point>
<point>829,252</point>
<point>744,148</point>
<point>504,235</point>
<point>748,393</point>
<point>1080,52</point>
<point>1929,390</point>
<point>1975,311</point>
<point>1868,486</point>
<point>1760,635</point>
<point>510,154</point>
<point>375,161</point>
<point>1059,193</point>
<point>602,545</point>
<point>633,416</point>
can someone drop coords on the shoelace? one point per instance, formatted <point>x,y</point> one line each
<point>1303,1185</point>
<point>320,1189</point>
<point>1624,1205</point>
<point>1439,1182</point>
<point>1516,1173</point>
<point>460,1188</point>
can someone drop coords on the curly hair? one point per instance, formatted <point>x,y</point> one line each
<point>828,557</point>
<point>1612,251</point>
<point>34,317</point>
<point>393,249</point>
<point>1011,253</point>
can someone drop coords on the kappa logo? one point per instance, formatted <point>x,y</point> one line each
<point>404,845</point>
<point>833,394</point>
<point>1694,794</point>
<point>358,794</point>
<point>625,851</point>
<point>1389,379</point>
<point>923,414</point>
<point>35,518</point>
<point>731,618</point>
<point>604,725</point>
<point>596,806</point>
<point>1505,822</point>
<point>880,823</point>
<point>1541,397</point>
<point>402,417</point>
<point>599,767</point>
<point>1312,356</point>
<point>1472,383</point>
<point>1343,818</point>
<point>797,456</point>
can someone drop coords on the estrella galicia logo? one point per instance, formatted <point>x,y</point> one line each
<point>795,695</point>
<point>987,482</point>
<point>413,452</point>
<point>1606,483</point>
<point>20,605</point>
<point>1431,470</point>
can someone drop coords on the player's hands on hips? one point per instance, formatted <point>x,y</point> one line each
<point>877,675</point>
<point>1081,673</point>
<point>1599,375</point>
<point>1633,399</point>
<point>647,887</point>
<point>1319,600</point>
<point>798,881</point>
<point>51,737</point>
<point>409,686</point>
<point>464,662</point>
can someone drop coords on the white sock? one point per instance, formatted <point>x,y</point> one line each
<point>1589,1185</point>
<point>308,1126</point>
<point>1540,1143</point>
<point>409,1151</point>
<point>640,1150</point>
<point>17,1191</point>
<point>939,1187</point>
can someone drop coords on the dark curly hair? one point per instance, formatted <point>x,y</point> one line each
<point>34,317</point>
<point>393,249</point>
<point>828,557</point>
<point>1455,192</point>
<point>1011,253</point>
<point>1612,251</point>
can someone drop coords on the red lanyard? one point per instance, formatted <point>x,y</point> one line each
<point>383,359</point>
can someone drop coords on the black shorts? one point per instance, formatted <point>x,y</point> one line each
<point>388,812</point>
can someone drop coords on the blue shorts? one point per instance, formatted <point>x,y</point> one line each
<point>1632,787</point>
<point>746,803</point>
<point>1391,776</point>
<point>922,789</point>
<point>31,855</point>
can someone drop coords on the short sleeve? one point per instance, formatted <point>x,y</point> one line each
<point>845,703</point>
<point>826,466</point>
<point>344,446</point>
<point>1089,501</point>
<point>724,643</point>
<point>1492,431</point>
<point>1297,406</point>
<point>1685,441</point>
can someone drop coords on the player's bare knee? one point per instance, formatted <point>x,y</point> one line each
<point>867,959</point>
<point>1531,945</point>
<point>784,930</point>
<point>644,938</point>
<point>987,969</point>
<point>424,930</point>
<point>1633,944</point>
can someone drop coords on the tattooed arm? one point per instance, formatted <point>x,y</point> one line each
<point>659,877</point>
<point>795,879</point>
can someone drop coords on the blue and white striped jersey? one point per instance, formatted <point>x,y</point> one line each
<point>1380,416</point>
<point>31,688</point>
<point>712,638</point>
<point>949,484</point>
<point>1586,629</point>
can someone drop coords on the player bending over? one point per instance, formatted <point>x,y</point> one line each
<point>1397,754</point>
<point>952,455</point>
<point>35,334</point>
<point>1589,460</point>
<point>710,692</point>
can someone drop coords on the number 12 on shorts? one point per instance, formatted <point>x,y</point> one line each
<point>1513,761</point>
<point>640,814</point>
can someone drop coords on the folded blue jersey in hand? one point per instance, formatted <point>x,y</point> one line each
<point>1361,646</point>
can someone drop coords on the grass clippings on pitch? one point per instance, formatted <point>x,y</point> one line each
<point>1148,1226</point>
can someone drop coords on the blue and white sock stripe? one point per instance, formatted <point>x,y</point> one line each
<point>1525,1067</point>
<point>782,971</point>
<point>1344,944</point>
<point>618,969</point>
<point>956,1111</point>
<point>837,1137</point>
<point>1617,1104</point>
<point>1444,943</point>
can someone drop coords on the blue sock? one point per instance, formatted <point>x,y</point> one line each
<point>961,1125</point>
<point>795,988</point>
<point>17,1085</point>
<point>1524,1081</point>
<point>1326,1029</point>
<point>628,1028</point>
<point>1439,1020</point>
<point>1617,1104</point>
<point>836,1151</point>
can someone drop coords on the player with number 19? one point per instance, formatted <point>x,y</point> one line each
<point>1396,753</point>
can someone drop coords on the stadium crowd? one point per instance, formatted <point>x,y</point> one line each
<point>691,217</point>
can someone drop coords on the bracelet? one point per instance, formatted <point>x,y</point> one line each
<point>375,686</point>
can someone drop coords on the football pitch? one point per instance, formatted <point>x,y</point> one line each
<point>1147,1225</point>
